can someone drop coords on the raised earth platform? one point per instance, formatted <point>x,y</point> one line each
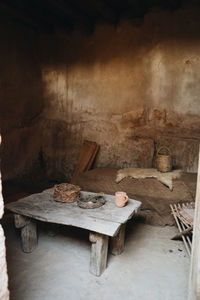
<point>155,197</point>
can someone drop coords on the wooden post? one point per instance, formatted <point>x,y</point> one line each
<point>20,221</point>
<point>117,242</point>
<point>29,237</point>
<point>28,232</point>
<point>194,281</point>
<point>99,252</point>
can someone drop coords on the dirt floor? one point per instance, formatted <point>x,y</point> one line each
<point>152,267</point>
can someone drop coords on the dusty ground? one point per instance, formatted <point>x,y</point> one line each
<point>152,266</point>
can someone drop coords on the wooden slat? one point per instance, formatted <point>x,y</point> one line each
<point>106,219</point>
<point>86,158</point>
<point>183,233</point>
<point>173,209</point>
<point>184,225</point>
<point>89,165</point>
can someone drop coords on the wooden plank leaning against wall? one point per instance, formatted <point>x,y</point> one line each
<point>194,280</point>
<point>4,294</point>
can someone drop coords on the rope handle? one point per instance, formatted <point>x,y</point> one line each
<point>163,147</point>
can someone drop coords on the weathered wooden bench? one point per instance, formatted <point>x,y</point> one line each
<point>104,222</point>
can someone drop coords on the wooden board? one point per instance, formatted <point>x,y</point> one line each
<point>90,162</point>
<point>86,158</point>
<point>105,220</point>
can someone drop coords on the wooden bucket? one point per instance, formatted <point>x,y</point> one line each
<point>163,161</point>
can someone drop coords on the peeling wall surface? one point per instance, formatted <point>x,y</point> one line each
<point>130,89</point>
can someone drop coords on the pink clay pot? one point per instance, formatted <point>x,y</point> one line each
<point>121,199</point>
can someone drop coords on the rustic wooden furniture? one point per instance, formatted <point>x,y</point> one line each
<point>103,222</point>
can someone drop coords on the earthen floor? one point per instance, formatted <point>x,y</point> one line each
<point>152,267</point>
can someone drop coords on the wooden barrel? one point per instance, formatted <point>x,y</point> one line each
<point>163,161</point>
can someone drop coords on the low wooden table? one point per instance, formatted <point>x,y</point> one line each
<point>104,222</point>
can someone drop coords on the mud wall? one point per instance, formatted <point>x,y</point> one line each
<point>130,88</point>
<point>21,99</point>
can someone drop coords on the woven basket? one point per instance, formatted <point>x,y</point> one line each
<point>163,161</point>
<point>66,192</point>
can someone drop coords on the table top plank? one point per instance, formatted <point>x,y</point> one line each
<point>106,219</point>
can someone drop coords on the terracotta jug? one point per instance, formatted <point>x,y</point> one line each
<point>121,199</point>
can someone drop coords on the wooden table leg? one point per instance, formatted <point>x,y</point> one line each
<point>117,242</point>
<point>99,253</point>
<point>28,232</point>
